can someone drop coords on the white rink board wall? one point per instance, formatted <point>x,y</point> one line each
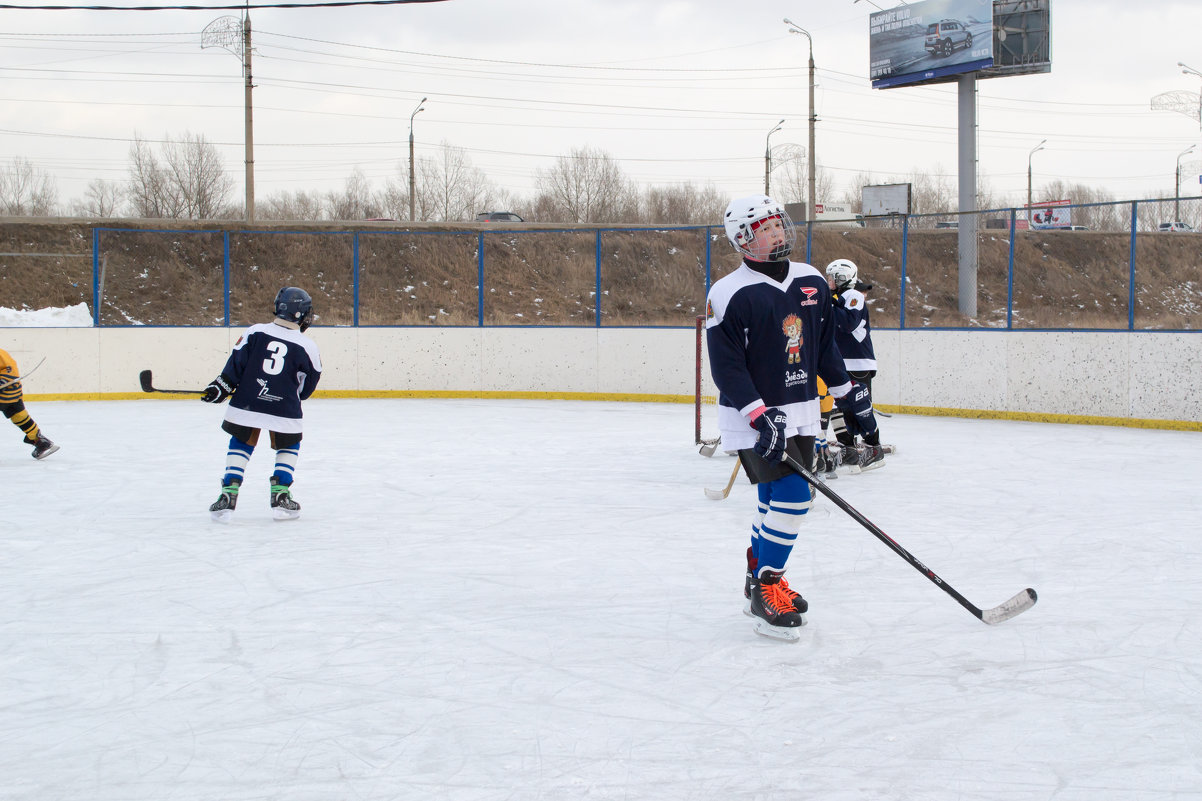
<point>1142,376</point>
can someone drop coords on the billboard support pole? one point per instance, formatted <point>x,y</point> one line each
<point>967,226</point>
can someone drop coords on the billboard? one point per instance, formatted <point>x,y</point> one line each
<point>929,41</point>
<point>879,200</point>
<point>1050,214</point>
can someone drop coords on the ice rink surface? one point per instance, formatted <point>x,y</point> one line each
<point>508,599</point>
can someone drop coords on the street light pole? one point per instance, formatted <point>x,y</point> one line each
<point>1034,150</point>
<point>1177,184</point>
<point>768,158</point>
<point>1187,70</point>
<point>412,182</point>
<point>811,167</point>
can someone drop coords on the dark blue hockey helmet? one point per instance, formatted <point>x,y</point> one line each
<point>294,304</point>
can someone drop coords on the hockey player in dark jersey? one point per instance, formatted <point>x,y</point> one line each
<point>12,406</point>
<point>273,367</point>
<point>770,336</point>
<point>853,335</point>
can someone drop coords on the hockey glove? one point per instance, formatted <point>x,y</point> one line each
<point>856,406</point>
<point>771,426</point>
<point>218,390</point>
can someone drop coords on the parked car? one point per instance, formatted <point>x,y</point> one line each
<point>1175,226</point>
<point>498,216</point>
<point>946,224</point>
<point>946,35</point>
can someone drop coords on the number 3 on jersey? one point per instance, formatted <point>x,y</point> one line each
<point>275,364</point>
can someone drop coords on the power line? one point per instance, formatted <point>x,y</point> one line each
<point>241,7</point>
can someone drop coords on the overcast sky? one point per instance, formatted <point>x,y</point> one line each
<point>680,90</point>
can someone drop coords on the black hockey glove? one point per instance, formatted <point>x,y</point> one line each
<point>218,390</point>
<point>856,406</point>
<point>771,443</point>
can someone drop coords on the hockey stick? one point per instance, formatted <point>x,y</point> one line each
<point>1004,611</point>
<point>717,495</point>
<point>148,386</point>
<point>710,447</point>
<point>17,378</point>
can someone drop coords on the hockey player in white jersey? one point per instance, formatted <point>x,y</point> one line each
<point>273,367</point>
<point>853,335</point>
<point>770,336</point>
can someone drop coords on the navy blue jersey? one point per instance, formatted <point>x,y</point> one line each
<point>274,367</point>
<point>768,342</point>
<point>853,331</point>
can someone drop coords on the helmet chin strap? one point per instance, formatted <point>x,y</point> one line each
<point>780,252</point>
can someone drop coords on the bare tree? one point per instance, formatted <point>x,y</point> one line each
<point>684,204</point>
<point>189,183</point>
<point>26,191</point>
<point>299,205</point>
<point>587,186</point>
<point>102,199</point>
<point>356,201</point>
<point>451,188</point>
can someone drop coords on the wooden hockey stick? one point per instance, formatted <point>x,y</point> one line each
<point>1004,611</point>
<point>148,386</point>
<point>717,495</point>
<point>17,378</point>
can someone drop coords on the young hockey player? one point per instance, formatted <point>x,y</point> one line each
<point>770,336</point>
<point>853,335</point>
<point>13,406</point>
<point>273,367</point>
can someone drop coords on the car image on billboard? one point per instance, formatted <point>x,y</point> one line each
<point>929,41</point>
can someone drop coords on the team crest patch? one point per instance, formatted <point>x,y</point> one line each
<point>809,293</point>
<point>709,309</point>
<point>793,340</point>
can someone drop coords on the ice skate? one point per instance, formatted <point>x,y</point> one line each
<point>773,610</point>
<point>800,605</point>
<point>223,508</point>
<point>870,458</point>
<point>825,466</point>
<point>283,506</point>
<point>43,447</point>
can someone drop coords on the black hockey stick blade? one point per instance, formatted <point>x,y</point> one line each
<point>1002,612</point>
<point>148,386</point>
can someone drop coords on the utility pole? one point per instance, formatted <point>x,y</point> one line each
<point>811,165</point>
<point>768,158</point>
<point>1177,185</point>
<point>233,34</point>
<point>412,180</point>
<point>248,117</point>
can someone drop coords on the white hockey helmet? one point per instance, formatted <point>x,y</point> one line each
<point>746,214</point>
<point>843,272</point>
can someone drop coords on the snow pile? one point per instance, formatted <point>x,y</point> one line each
<point>77,316</point>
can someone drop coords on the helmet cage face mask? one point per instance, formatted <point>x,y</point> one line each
<point>842,272</point>
<point>744,219</point>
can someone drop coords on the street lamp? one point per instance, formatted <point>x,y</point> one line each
<point>412,182</point>
<point>1187,70</point>
<point>810,165</point>
<point>768,157</point>
<point>1034,150</point>
<point>1177,184</point>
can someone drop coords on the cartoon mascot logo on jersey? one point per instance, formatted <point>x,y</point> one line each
<point>793,340</point>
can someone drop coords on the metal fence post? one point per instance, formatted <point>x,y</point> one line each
<point>355,280</point>
<point>1010,275</point>
<point>96,277</point>
<point>1131,269</point>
